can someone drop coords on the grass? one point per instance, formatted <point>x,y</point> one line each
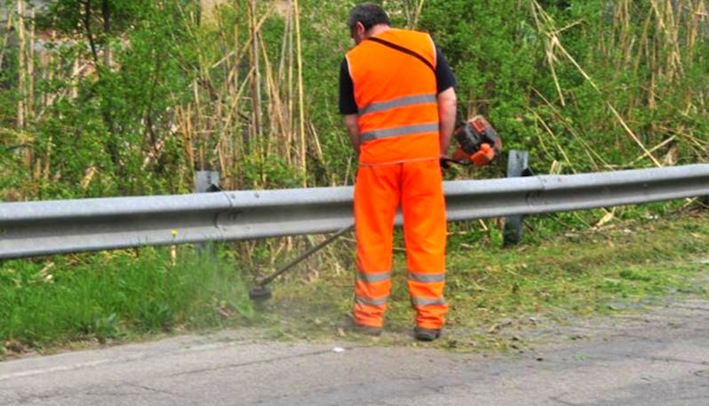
<point>116,296</point>
<point>495,293</point>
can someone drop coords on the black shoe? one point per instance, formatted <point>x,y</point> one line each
<point>367,330</point>
<point>362,329</point>
<point>426,334</point>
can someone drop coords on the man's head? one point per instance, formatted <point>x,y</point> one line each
<point>363,17</point>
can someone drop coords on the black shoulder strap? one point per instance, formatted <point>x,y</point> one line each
<point>404,50</point>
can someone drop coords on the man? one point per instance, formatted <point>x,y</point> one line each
<point>398,100</point>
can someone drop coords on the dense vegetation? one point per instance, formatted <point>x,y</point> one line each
<point>130,97</point>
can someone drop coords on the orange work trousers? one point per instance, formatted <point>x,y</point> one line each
<point>379,191</point>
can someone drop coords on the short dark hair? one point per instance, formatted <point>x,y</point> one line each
<point>369,14</point>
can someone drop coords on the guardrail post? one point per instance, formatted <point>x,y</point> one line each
<point>517,165</point>
<point>206,182</point>
<point>705,199</point>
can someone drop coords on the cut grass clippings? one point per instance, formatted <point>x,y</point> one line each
<point>495,293</point>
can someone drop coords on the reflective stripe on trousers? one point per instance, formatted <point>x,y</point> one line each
<point>379,190</point>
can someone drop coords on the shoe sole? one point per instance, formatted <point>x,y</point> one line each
<point>363,329</point>
<point>426,334</point>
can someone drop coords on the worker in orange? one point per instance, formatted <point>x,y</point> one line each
<point>398,100</point>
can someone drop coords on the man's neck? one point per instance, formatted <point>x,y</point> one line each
<point>377,29</point>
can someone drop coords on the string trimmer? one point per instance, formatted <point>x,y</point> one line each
<point>262,293</point>
<point>478,144</point>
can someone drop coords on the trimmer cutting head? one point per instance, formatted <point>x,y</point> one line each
<point>260,294</point>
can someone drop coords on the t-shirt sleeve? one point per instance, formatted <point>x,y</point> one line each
<point>347,103</point>
<point>444,74</point>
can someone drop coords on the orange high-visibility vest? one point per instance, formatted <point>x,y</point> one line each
<point>396,98</point>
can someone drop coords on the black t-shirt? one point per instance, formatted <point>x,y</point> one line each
<point>444,80</point>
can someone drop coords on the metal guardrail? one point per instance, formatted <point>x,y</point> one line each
<point>53,227</point>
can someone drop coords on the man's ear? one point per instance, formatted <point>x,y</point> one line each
<point>361,31</point>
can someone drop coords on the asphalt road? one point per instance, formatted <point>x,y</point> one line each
<point>657,358</point>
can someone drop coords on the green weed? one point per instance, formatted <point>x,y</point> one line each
<point>494,293</point>
<point>117,295</point>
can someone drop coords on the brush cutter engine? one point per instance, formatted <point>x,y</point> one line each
<point>478,142</point>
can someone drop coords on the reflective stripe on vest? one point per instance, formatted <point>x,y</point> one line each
<point>400,102</point>
<point>399,131</point>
